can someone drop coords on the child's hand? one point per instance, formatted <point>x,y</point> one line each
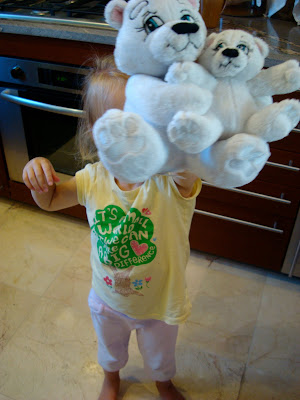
<point>39,174</point>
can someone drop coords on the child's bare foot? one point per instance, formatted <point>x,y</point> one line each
<point>168,391</point>
<point>111,386</point>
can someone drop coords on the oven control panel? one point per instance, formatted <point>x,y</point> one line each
<point>44,75</point>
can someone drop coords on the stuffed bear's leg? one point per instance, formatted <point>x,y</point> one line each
<point>128,147</point>
<point>192,132</point>
<point>232,162</point>
<point>276,121</point>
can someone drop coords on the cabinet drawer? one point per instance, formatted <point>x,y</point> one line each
<point>292,141</point>
<point>278,170</point>
<point>258,201</point>
<point>289,143</point>
<point>247,244</point>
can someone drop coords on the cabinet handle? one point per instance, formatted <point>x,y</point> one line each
<point>296,130</point>
<point>283,166</point>
<point>72,112</point>
<point>238,221</point>
<point>253,194</point>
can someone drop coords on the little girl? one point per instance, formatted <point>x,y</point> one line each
<point>140,247</point>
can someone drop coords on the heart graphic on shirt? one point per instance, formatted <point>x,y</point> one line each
<point>139,249</point>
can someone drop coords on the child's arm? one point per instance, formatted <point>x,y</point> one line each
<point>185,182</point>
<point>40,177</point>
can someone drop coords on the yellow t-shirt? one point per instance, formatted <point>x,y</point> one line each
<point>140,245</point>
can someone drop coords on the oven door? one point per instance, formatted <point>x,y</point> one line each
<point>35,122</point>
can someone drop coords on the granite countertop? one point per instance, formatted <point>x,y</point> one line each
<point>283,37</point>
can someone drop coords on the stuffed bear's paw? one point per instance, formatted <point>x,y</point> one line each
<point>275,121</point>
<point>292,74</point>
<point>128,147</point>
<point>181,72</point>
<point>243,157</point>
<point>193,133</point>
<point>288,116</point>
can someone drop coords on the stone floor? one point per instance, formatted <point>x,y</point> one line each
<point>241,342</point>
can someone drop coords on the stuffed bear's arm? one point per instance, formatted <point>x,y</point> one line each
<point>280,79</point>
<point>158,101</point>
<point>190,72</point>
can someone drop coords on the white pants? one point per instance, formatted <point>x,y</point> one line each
<point>156,340</point>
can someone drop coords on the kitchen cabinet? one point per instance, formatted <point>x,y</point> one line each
<point>254,224</point>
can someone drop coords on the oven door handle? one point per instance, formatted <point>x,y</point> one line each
<point>72,112</point>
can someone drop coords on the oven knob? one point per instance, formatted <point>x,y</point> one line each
<point>18,73</point>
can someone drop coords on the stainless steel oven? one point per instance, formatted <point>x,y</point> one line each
<point>39,109</point>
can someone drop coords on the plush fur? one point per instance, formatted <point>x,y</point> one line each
<point>169,127</point>
<point>242,96</point>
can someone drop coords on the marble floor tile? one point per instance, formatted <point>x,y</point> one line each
<point>51,356</point>
<point>273,369</point>
<point>197,268</point>
<point>73,283</point>
<point>241,341</point>
<point>199,375</point>
<point>35,245</point>
<point>5,205</point>
<point>224,311</point>
<point>4,397</point>
<point>15,305</point>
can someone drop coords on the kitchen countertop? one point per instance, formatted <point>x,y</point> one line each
<point>283,37</point>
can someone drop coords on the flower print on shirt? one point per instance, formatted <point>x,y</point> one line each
<point>108,281</point>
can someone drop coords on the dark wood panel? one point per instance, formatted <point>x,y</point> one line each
<point>293,95</point>
<point>3,173</point>
<point>51,49</point>
<point>19,192</point>
<point>278,175</point>
<point>289,143</point>
<point>241,243</point>
<point>213,198</point>
<point>287,157</point>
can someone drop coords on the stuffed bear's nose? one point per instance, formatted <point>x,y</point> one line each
<point>232,53</point>
<point>185,27</point>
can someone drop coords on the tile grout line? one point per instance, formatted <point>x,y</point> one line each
<point>251,344</point>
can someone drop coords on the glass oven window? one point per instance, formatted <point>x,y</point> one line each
<point>49,134</point>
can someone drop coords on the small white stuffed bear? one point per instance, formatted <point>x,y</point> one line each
<point>242,96</point>
<point>168,127</point>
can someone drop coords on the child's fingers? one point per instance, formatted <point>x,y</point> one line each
<point>37,178</point>
<point>27,181</point>
<point>54,175</point>
<point>48,172</point>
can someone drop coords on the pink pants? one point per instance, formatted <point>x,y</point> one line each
<point>156,340</point>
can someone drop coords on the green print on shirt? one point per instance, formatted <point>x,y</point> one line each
<point>124,240</point>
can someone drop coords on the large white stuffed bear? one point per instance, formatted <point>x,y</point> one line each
<point>168,127</point>
<point>242,96</point>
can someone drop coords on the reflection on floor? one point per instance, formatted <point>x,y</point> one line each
<point>240,343</point>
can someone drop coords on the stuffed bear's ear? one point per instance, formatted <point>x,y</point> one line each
<point>195,3</point>
<point>210,39</point>
<point>263,47</point>
<point>114,12</point>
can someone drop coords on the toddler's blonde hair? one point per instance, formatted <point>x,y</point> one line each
<point>100,88</point>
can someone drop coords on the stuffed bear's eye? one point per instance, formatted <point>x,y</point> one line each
<point>187,17</point>
<point>219,46</point>
<point>152,23</point>
<point>243,47</point>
